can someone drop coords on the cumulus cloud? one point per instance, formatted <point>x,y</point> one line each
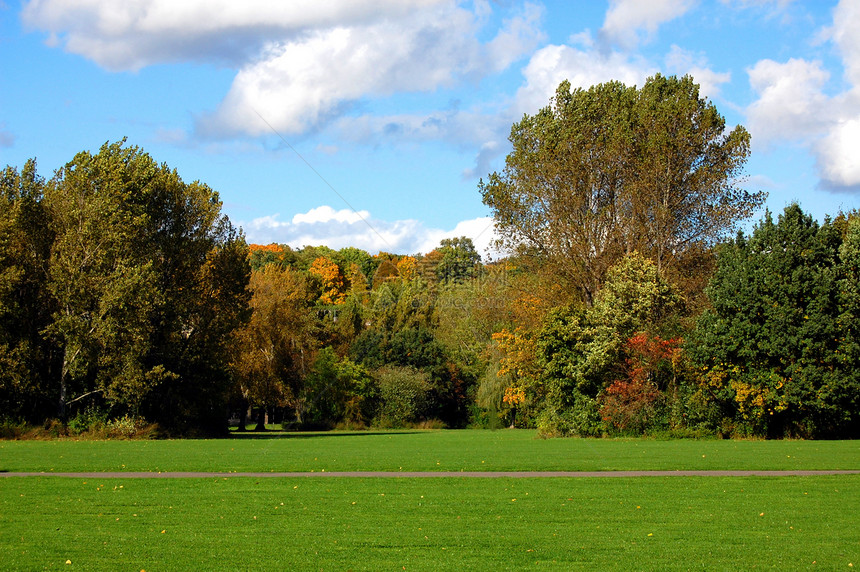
<point>132,34</point>
<point>846,18</point>
<point>791,104</point>
<point>794,104</point>
<point>552,64</point>
<point>837,158</point>
<point>628,22</point>
<point>341,228</point>
<point>683,62</point>
<point>299,84</point>
<point>299,63</point>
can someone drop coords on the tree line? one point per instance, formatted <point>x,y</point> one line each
<point>625,306</point>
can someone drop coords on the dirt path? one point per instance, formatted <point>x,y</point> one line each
<point>432,474</point>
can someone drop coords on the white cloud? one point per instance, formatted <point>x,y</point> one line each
<point>794,105</point>
<point>299,84</point>
<point>791,104</point>
<point>846,19</point>
<point>326,214</point>
<point>552,64</point>
<point>837,156</point>
<point>132,34</point>
<point>626,20</point>
<point>299,63</point>
<point>341,228</point>
<point>683,62</point>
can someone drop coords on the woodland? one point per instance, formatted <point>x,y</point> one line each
<point>628,303</point>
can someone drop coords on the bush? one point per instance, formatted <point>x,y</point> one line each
<point>12,429</point>
<point>630,407</point>
<point>91,419</point>
<point>581,419</point>
<point>403,393</point>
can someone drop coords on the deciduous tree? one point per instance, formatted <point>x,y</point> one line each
<point>149,281</point>
<point>603,172</point>
<point>274,352</point>
<point>25,304</point>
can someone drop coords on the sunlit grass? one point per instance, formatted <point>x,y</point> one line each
<point>676,523</point>
<point>241,523</point>
<point>467,450</point>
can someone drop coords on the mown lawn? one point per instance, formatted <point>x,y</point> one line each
<point>243,523</point>
<point>468,450</point>
<point>648,523</point>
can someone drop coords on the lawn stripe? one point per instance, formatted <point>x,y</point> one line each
<point>429,474</point>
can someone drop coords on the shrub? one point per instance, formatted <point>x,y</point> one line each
<point>581,418</point>
<point>403,393</point>
<point>90,419</point>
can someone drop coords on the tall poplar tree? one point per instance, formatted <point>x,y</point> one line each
<point>607,171</point>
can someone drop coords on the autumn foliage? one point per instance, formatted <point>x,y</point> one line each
<point>331,279</point>
<point>630,404</point>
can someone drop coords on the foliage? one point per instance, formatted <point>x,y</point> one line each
<point>125,291</point>
<point>273,352</point>
<point>261,255</point>
<point>631,404</point>
<point>331,280</point>
<point>338,391</point>
<point>404,395</point>
<point>459,261</point>
<point>577,353</point>
<point>135,281</point>
<point>603,172</point>
<point>776,352</point>
<point>490,395</point>
<point>25,304</point>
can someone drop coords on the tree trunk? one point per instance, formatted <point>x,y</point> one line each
<point>61,406</point>
<point>62,412</point>
<point>243,417</point>
<point>261,419</point>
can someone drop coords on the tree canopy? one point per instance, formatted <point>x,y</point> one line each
<point>128,298</point>
<point>144,279</point>
<point>604,172</point>
<point>778,347</point>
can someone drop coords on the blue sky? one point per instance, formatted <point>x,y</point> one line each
<point>369,122</point>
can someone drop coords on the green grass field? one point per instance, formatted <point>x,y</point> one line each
<point>646,523</point>
<point>467,450</point>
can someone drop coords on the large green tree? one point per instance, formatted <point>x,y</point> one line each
<point>778,349</point>
<point>148,280</point>
<point>603,172</point>
<point>25,305</point>
<point>459,262</point>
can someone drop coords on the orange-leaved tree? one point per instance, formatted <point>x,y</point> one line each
<point>331,279</point>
